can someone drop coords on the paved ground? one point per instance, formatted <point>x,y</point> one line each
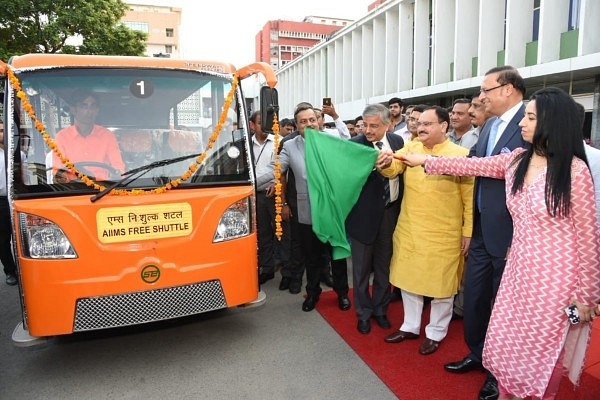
<point>272,352</point>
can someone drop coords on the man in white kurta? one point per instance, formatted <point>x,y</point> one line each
<point>432,234</point>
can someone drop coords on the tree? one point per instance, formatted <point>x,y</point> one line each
<point>43,26</point>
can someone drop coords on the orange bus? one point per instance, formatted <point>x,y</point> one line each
<point>130,189</point>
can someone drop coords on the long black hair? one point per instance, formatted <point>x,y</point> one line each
<point>559,137</point>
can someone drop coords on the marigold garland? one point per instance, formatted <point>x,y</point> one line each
<point>39,125</point>
<point>278,203</point>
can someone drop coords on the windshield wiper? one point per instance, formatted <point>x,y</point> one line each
<point>134,174</point>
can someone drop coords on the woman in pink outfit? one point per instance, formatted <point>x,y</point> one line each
<point>555,255</point>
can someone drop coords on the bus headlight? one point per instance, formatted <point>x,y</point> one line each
<point>234,223</point>
<point>42,238</point>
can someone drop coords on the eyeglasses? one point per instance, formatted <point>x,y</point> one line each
<point>486,91</point>
<point>427,123</point>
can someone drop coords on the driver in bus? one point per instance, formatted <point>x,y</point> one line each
<point>84,141</point>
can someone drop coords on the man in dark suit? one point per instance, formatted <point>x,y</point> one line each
<point>502,92</point>
<point>371,224</point>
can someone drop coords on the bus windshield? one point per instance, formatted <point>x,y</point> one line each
<point>110,122</point>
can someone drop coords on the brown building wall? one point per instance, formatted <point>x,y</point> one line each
<point>288,33</point>
<point>161,22</point>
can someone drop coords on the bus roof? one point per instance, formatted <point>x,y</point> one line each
<point>42,60</point>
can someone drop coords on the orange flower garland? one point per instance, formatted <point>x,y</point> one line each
<point>278,205</point>
<point>39,125</point>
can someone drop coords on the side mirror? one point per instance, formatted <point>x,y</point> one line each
<point>269,108</point>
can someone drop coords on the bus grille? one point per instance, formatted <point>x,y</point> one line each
<point>148,306</point>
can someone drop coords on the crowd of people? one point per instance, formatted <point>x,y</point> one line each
<point>487,211</point>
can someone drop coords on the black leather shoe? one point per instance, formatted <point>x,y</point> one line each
<point>310,303</point>
<point>285,283</point>
<point>295,286</point>
<point>465,365</point>
<point>382,321</point>
<point>364,326</point>
<point>263,278</point>
<point>344,302</point>
<point>11,279</point>
<point>327,280</point>
<point>489,390</point>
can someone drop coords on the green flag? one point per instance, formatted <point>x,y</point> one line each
<point>336,170</point>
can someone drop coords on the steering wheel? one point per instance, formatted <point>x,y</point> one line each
<point>113,173</point>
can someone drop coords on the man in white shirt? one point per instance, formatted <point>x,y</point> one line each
<point>593,156</point>
<point>340,126</point>
<point>6,256</point>
<point>262,154</point>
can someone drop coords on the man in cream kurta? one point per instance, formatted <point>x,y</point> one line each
<point>432,233</point>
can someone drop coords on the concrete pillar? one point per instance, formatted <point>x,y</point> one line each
<point>379,47</point>
<point>405,44</point>
<point>465,42</point>
<point>519,30</point>
<point>595,134</point>
<point>421,51</point>
<point>356,59</point>
<point>392,49</point>
<point>443,40</point>
<point>491,34</point>
<point>553,22</point>
<point>368,61</point>
<point>589,39</point>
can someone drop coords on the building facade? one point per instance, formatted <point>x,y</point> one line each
<point>433,51</point>
<point>162,24</point>
<point>280,42</point>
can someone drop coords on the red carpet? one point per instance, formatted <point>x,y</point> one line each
<point>412,376</point>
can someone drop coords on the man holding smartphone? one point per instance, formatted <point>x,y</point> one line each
<point>340,126</point>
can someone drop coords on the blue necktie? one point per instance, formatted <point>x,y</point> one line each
<point>490,147</point>
<point>386,181</point>
<point>492,138</point>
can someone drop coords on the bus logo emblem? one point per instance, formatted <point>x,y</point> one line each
<point>150,273</point>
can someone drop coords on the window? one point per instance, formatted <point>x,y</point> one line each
<point>574,11</point>
<point>137,26</point>
<point>536,20</point>
<point>168,48</point>
<point>169,32</point>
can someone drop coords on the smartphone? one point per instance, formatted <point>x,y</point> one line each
<point>327,101</point>
<point>573,314</point>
